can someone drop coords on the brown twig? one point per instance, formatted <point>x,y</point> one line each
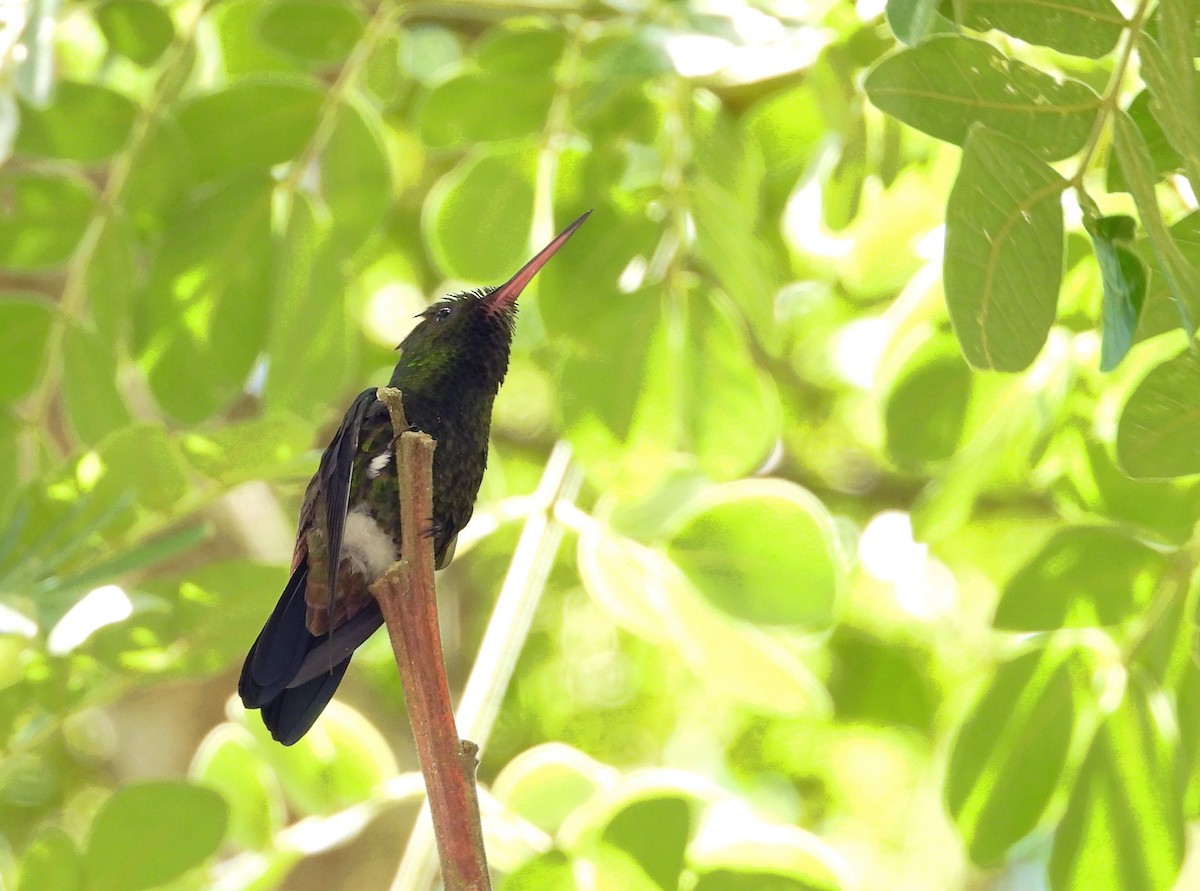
<point>408,599</point>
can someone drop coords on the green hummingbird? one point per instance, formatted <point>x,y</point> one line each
<point>450,368</point>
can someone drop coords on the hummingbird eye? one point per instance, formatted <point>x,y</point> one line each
<point>442,313</point>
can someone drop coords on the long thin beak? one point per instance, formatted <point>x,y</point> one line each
<point>506,295</point>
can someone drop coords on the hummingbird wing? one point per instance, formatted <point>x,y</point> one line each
<point>337,465</point>
<point>272,678</point>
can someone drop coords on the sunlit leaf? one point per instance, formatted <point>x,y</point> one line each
<point>649,594</point>
<point>764,551</point>
<point>311,350</point>
<point>205,300</point>
<point>1082,577</point>
<point>1004,249</point>
<point>1010,753</point>
<point>548,782</point>
<point>1124,819</point>
<point>948,83</point>
<point>227,762</point>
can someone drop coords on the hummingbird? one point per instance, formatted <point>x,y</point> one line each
<point>449,371</point>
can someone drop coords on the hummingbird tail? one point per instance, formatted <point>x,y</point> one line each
<point>268,679</point>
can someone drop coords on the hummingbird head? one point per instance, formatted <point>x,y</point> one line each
<point>463,341</point>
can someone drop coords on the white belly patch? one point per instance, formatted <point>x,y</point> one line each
<point>368,548</point>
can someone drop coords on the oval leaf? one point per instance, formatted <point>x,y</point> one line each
<point>254,123</point>
<point>1124,821</point>
<point>1010,753</point>
<point>764,551</point>
<point>1004,250</point>
<point>1081,578</point>
<point>316,31</point>
<point>150,833</point>
<point>478,216</point>
<point>139,30</point>
<point>946,84</point>
<point>24,325</point>
<point>42,218</point>
<point>1158,435</point>
<point>84,123</point>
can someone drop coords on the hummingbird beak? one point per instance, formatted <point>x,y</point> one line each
<point>505,296</point>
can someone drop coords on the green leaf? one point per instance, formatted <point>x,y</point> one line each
<point>162,176</point>
<point>85,123</point>
<point>261,448</point>
<point>946,84</point>
<point>754,880</point>
<point>316,31</point>
<point>342,761</point>
<point>42,218</point>
<point>926,408</point>
<point>10,463</point>
<point>50,862</point>
<point>1010,753</point>
<point>150,833</point>
<point>311,349</point>
<point>914,20</point>
<point>253,124</point>
<point>139,30</point>
<point>1081,578</point>
<point>654,832</point>
<point>750,856</point>
<point>93,403</point>
<point>650,595</point>
<point>227,762</point>
<point>1004,252</point>
<point>356,177</point>
<point>1124,279</point>
<point>1138,167</point>
<point>1081,27</point>
<point>1165,158</point>
<point>142,462</point>
<point>1158,435</point>
<point>733,255</point>
<point>478,216</point>
<point>204,316</point>
<point>548,782</point>
<point>1124,822</point>
<point>503,92</point>
<point>764,551</point>
<point>551,871</point>
<point>1170,77</point>
<point>25,321</point>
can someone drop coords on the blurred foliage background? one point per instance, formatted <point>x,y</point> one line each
<point>788,593</point>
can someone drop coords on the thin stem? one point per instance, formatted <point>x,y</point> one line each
<point>507,631</point>
<point>408,599</point>
<point>1112,94</point>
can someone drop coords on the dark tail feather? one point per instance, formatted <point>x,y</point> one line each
<point>277,657</point>
<point>291,714</point>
